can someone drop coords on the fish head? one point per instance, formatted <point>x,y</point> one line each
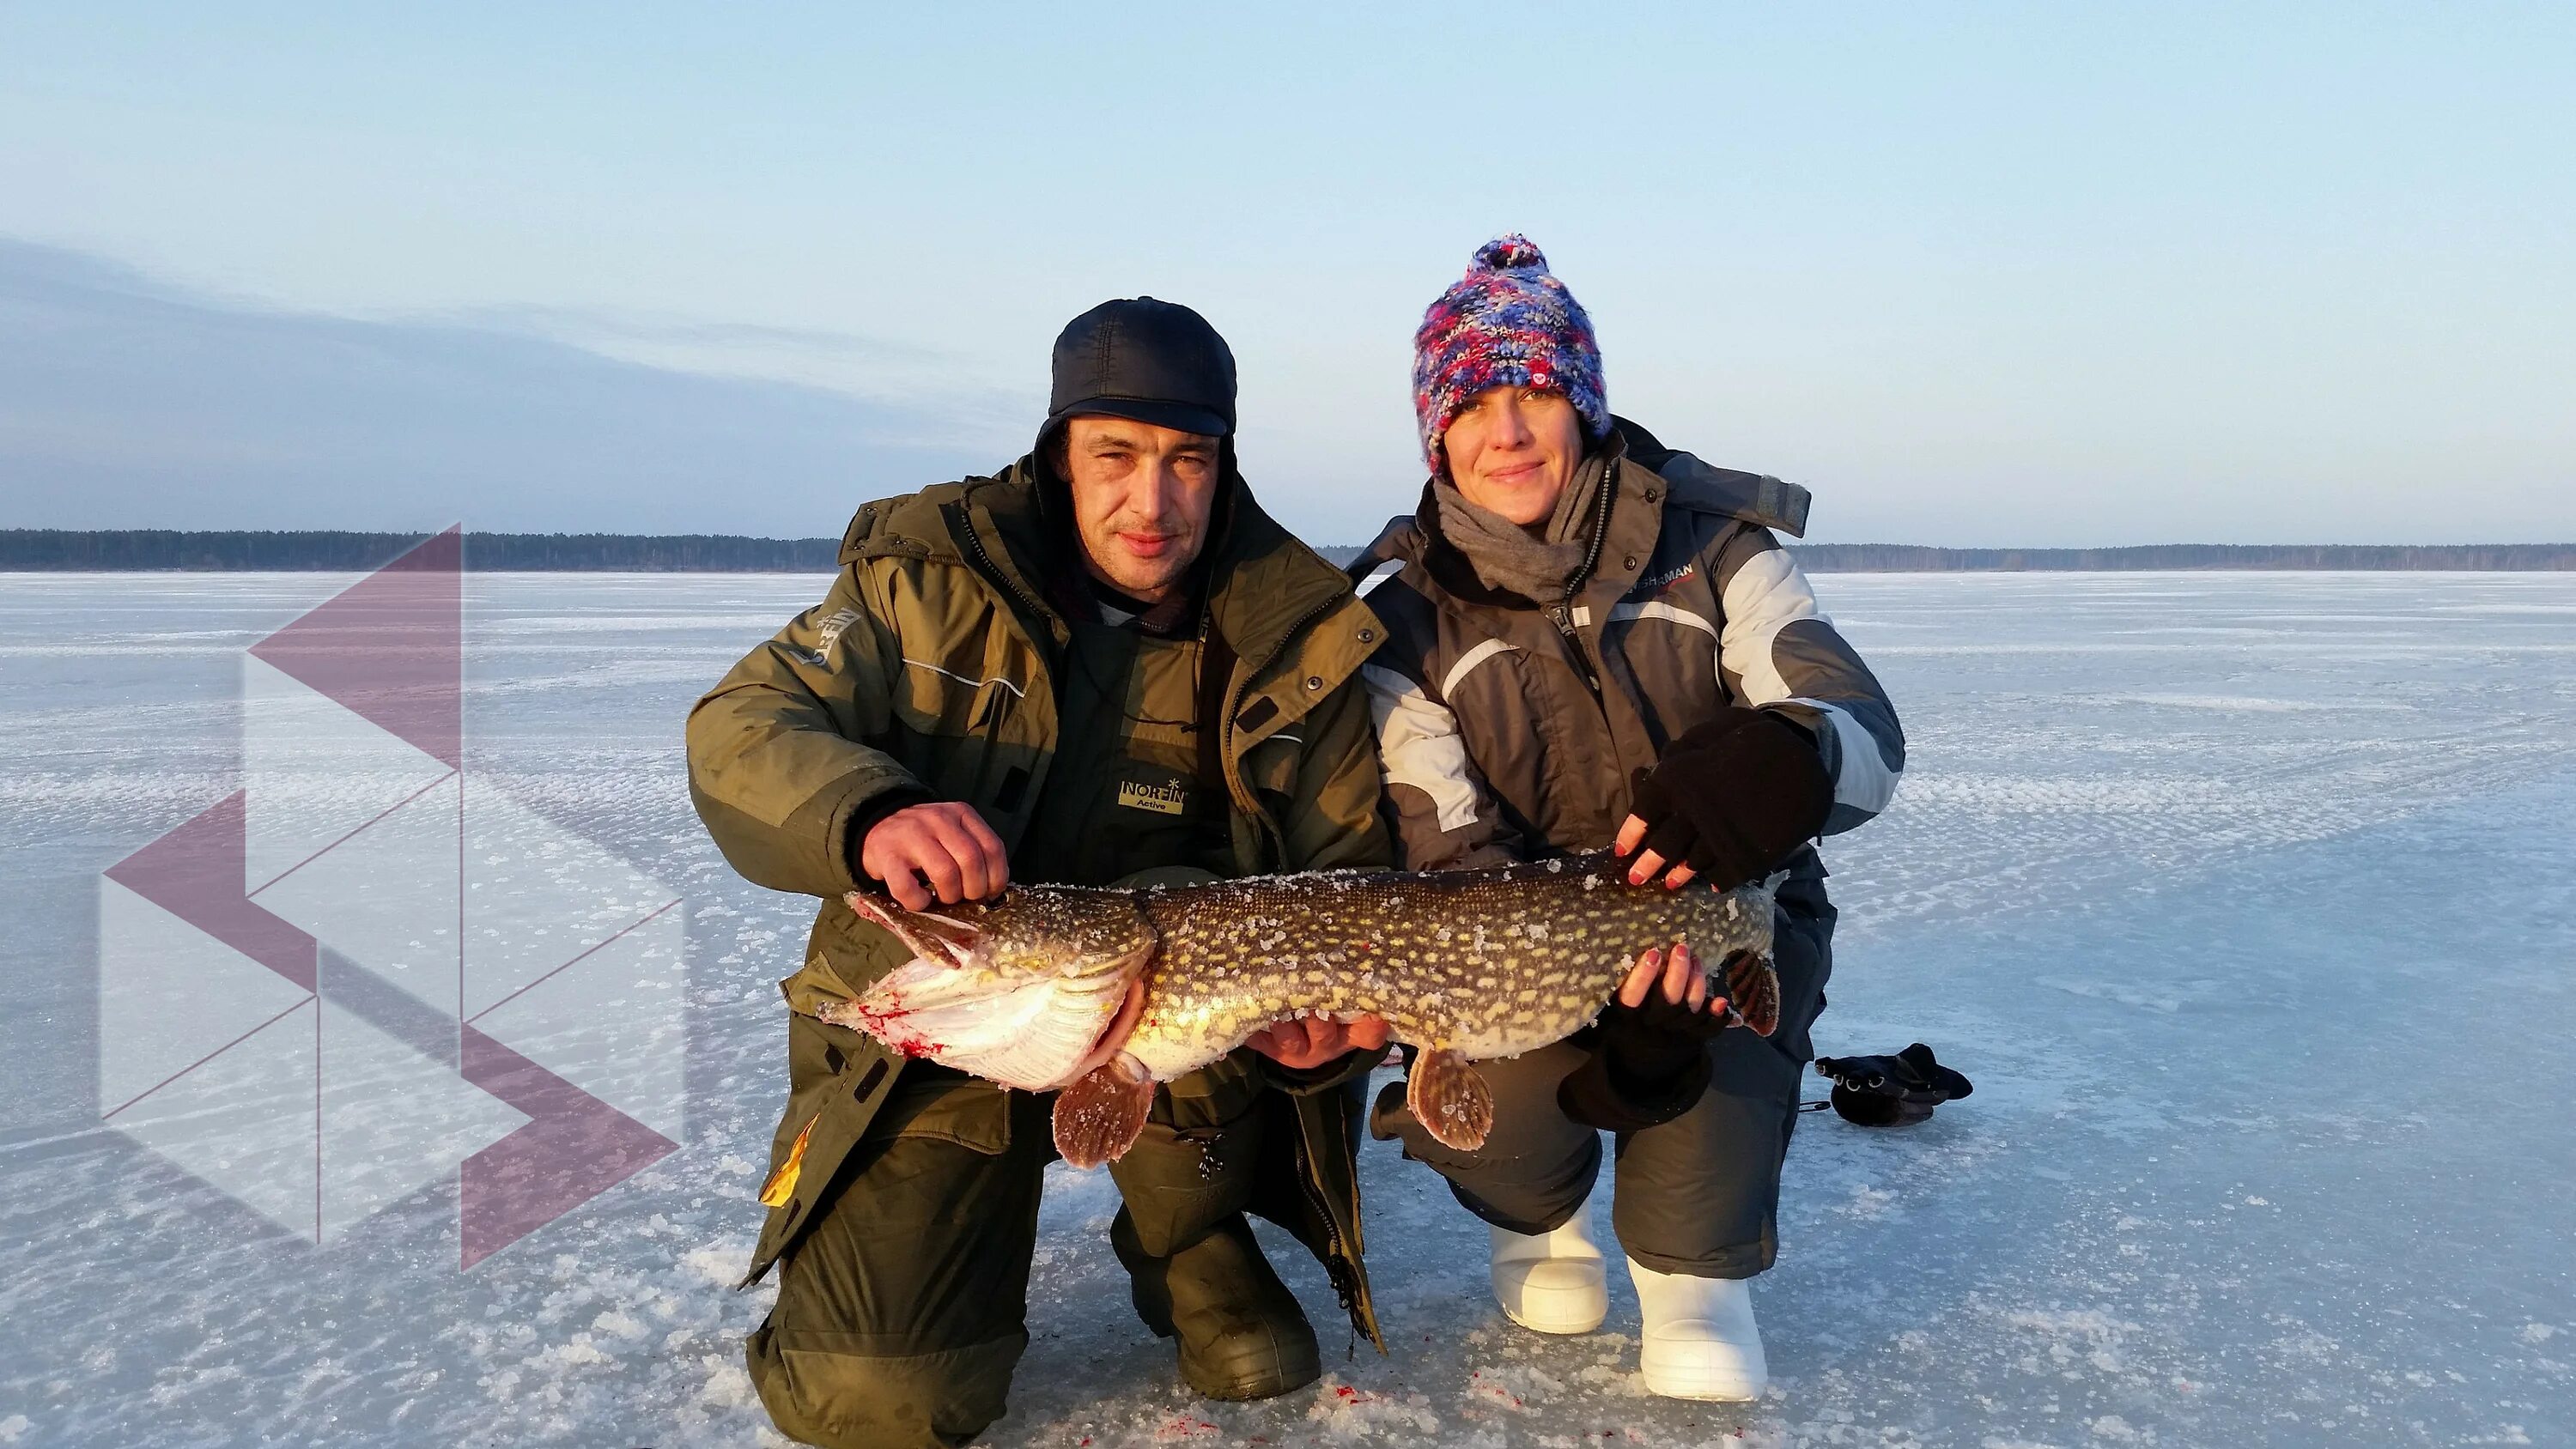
<point>1017,990</point>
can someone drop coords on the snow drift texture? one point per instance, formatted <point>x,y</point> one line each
<point>2245,900</point>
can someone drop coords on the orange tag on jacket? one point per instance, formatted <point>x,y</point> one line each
<point>782,1183</point>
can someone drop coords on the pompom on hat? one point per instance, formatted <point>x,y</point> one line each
<point>1508,323</point>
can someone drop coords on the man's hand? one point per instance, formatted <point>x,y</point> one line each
<point>1303,1043</point>
<point>944,843</point>
<point>1684,979</point>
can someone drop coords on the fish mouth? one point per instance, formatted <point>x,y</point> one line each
<point>1032,1032</point>
<point>1035,1034</point>
<point>933,937</point>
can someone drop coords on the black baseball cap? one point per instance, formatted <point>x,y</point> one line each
<point>1136,357</point>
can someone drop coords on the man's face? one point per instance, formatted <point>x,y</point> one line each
<point>1141,497</point>
<point>1512,451</point>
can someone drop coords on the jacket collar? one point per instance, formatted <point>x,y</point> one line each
<point>1635,524</point>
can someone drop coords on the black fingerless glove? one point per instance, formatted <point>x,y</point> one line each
<point>1891,1091</point>
<point>1649,1064</point>
<point>1733,797</point>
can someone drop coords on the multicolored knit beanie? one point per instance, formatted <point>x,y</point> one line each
<point>1508,322</point>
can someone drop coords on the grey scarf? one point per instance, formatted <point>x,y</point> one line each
<point>1533,563</point>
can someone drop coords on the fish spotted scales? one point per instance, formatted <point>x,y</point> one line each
<point>1030,990</point>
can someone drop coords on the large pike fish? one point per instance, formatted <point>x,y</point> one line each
<point>1465,965</point>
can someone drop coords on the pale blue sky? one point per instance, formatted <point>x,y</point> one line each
<point>2026,274</point>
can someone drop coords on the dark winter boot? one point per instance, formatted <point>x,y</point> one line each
<point>1242,1334</point>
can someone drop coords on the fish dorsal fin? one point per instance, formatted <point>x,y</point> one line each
<point>1101,1115</point>
<point>1449,1097</point>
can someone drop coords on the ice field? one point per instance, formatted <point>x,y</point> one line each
<point>2248,901</point>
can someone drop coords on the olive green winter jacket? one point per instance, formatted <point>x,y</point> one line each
<point>928,673</point>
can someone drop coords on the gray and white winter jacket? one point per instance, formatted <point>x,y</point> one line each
<point>1510,728</point>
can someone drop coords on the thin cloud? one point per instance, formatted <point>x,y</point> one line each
<point>125,402</point>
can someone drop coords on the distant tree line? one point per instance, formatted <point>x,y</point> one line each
<point>58,550</point>
<point>38,550</point>
<point>1911,558</point>
<point>1907,558</point>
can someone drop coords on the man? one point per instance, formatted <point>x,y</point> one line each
<point>1596,643</point>
<point>1104,664</point>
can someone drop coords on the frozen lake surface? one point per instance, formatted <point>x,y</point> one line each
<point>2248,901</point>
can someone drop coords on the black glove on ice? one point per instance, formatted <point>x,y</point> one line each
<point>1732,797</point>
<point>1649,1064</point>
<point>1890,1091</point>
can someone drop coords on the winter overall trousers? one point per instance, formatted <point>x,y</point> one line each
<point>902,1309</point>
<point>1699,1194</point>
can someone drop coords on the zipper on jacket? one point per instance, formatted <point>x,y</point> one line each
<point>1563,614</point>
<point>975,541</point>
<point>1338,1260</point>
<point>1563,618</point>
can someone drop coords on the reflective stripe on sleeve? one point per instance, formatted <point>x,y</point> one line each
<point>1419,745</point>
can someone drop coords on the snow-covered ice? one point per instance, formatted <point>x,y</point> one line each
<point>2248,901</point>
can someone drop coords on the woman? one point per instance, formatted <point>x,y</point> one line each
<point>1594,642</point>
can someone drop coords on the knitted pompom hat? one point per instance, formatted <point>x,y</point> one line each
<point>1508,322</point>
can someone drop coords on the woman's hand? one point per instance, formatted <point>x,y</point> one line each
<point>1684,979</point>
<point>1650,1049</point>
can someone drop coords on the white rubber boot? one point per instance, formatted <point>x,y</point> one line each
<point>1699,1340</point>
<point>1552,1282</point>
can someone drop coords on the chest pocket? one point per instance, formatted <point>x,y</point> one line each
<point>955,696</point>
<point>1270,768</point>
<point>956,714</point>
<point>972,1114</point>
<point>1123,793</point>
<point>1147,815</point>
<point>1535,730</point>
<point>1670,648</point>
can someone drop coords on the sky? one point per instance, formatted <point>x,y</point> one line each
<point>1974,274</point>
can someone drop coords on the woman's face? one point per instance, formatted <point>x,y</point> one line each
<point>1513,450</point>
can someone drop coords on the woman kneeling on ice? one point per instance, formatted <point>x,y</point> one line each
<point>1597,642</point>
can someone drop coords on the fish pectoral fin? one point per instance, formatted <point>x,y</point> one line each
<point>1102,1113</point>
<point>1753,992</point>
<point>1450,1098</point>
<point>1113,1037</point>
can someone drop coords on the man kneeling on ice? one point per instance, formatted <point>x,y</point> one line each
<point>1105,664</point>
<point>1595,643</point>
